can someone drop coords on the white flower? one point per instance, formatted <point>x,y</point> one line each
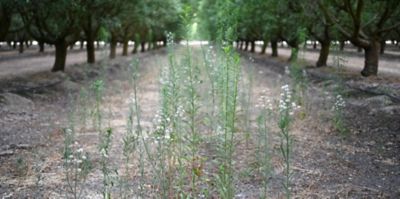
<point>339,103</point>
<point>287,70</point>
<point>68,131</point>
<point>285,102</point>
<point>251,59</point>
<point>132,98</point>
<point>103,152</point>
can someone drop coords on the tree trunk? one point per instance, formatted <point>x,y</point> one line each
<point>274,46</point>
<point>264,47</point>
<point>143,46</point>
<point>98,44</point>
<point>41,46</point>
<point>241,45</point>
<point>113,46</point>
<point>383,46</point>
<point>125,48</point>
<point>71,46</point>
<point>341,45</point>
<point>21,47</point>
<point>165,42</point>
<point>371,59</point>
<point>315,45</point>
<point>253,46</point>
<point>14,45</point>
<point>81,43</point>
<point>61,56</point>
<point>323,53</point>
<point>90,50</point>
<point>246,46</point>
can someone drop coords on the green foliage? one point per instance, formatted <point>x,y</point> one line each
<point>51,20</point>
<point>285,111</point>
<point>263,154</point>
<point>149,20</point>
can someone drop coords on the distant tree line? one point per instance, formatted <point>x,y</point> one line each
<point>62,23</point>
<point>367,24</point>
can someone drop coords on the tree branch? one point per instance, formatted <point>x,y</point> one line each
<point>389,28</point>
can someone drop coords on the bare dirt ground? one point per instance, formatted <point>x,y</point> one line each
<point>389,63</point>
<point>14,64</point>
<point>363,164</point>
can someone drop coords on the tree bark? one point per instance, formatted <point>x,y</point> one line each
<point>274,46</point>
<point>41,46</point>
<point>61,56</point>
<point>246,46</point>
<point>113,46</point>
<point>371,59</point>
<point>90,50</point>
<point>264,47</point>
<point>125,48</point>
<point>143,46</point>
<point>323,53</point>
<point>383,47</point>
<point>165,42</point>
<point>21,47</point>
<point>241,45</point>
<point>81,44</point>
<point>341,45</point>
<point>253,46</point>
<point>315,45</point>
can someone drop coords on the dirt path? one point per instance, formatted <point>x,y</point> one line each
<point>13,64</point>
<point>364,164</point>
<point>389,65</point>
